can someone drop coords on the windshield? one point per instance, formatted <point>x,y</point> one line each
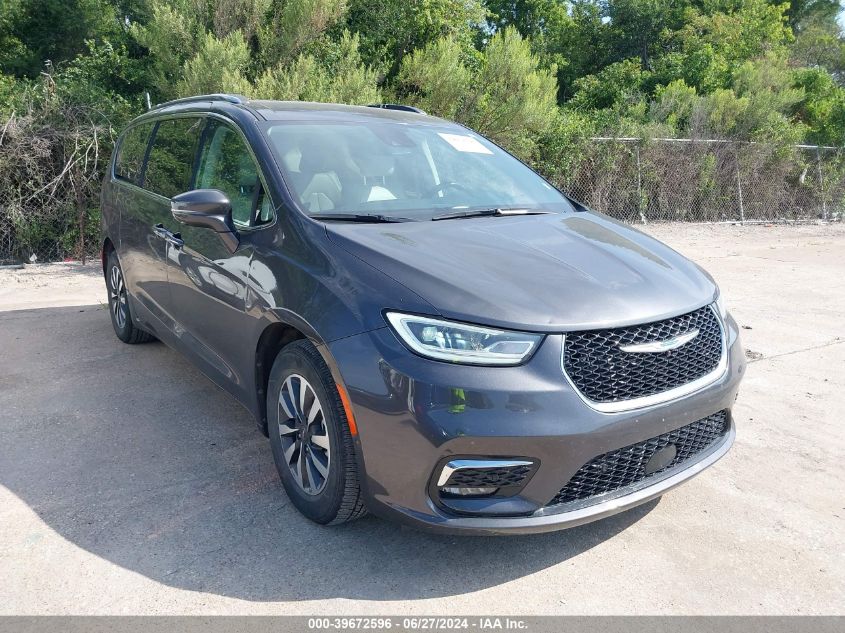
<point>404,171</point>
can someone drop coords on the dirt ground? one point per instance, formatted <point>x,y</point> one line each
<point>129,484</point>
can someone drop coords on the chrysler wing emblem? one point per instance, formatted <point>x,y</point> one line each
<point>660,346</point>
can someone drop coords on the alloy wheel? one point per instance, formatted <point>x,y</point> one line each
<point>117,297</point>
<point>304,434</point>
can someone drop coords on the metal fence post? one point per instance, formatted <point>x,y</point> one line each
<point>821,181</point>
<point>739,187</point>
<point>640,185</point>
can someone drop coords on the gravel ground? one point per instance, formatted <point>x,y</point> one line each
<point>129,484</point>
<point>51,286</point>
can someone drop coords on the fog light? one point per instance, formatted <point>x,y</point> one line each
<point>484,477</point>
<point>466,491</point>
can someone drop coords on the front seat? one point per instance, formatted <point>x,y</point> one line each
<point>327,181</point>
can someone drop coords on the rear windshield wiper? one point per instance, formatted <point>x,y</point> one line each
<point>359,217</point>
<point>487,212</point>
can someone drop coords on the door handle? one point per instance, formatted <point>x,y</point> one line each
<point>174,239</point>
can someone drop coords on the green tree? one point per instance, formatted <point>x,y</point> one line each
<point>35,31</point>
<point>297,25</point>
<point>675,106</point>
<point>391,29</point>
<point>503,93</point>
<point>530,17</point>
<point>759,106</point>
<point>437,78</point>
<point>341,78</point>
<point>218,66</point>
<point>637,27</point>
<point>823,107</point>
<point>803,11</point>
<point>749,69</point>
<point>819,42</point>
<point>615,84</point>
<point>726,34</point>
<point>169,38</point>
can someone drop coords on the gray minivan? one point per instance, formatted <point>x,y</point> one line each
<point>423,326</point>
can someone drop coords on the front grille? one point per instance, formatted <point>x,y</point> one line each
<point>498,477</point>
<point>627,466</point>
<point>603,373</point>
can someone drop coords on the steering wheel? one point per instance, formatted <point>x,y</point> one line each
<point>443,187</point>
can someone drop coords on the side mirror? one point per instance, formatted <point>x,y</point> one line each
<point>206,208</point>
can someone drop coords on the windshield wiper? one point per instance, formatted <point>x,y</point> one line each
<point>477,213</point>
<point>359,217</point>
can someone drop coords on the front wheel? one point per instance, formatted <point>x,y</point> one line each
<point>310,437</point>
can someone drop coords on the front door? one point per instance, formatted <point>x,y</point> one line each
<point>207,280</point>
<point>167,172</point>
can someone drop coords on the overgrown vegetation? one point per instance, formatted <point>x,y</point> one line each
<point>537,76</point>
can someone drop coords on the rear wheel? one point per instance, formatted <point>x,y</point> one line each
<point>121,315</point>
<point>310,437</point>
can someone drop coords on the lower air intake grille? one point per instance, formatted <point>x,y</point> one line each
<point>627,466</point>
<point>489,477</point>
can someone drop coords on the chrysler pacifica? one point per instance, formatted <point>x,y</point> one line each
<point>423,326</point>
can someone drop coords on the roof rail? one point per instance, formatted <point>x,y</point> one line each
<point>237,99</point>
<point>396,106</point>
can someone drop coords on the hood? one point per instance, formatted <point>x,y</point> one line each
<point>545,273</point>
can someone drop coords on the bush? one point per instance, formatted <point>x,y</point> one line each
<point>52,156</point>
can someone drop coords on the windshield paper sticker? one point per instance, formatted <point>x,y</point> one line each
<point>464,143</point>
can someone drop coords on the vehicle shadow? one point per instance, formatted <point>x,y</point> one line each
<point>131,454</point>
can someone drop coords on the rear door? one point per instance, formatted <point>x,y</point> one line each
<point>208,282</point>
<point>142,254</point>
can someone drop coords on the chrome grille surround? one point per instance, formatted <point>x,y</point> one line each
<point>623,335</point>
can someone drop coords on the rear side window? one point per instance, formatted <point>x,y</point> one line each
<point>169,166</point>
<point>130,153</point>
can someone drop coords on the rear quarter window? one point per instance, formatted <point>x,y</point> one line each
<point>130,153</point>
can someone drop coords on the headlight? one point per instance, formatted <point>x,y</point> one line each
<point>720,306</point>
<point>462,343</point>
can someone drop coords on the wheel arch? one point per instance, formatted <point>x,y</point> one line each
<point>106,249</point>
<point>274,337</point>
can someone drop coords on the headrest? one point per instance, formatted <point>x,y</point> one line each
<point>378,165</point>
<point>320,156</point>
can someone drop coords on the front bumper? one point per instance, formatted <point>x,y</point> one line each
<point>413,413</point>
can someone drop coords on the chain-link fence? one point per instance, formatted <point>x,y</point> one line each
<point>687,180</point>
<point>49,184</point>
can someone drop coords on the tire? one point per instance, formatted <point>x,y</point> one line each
<point>119,310</point>
<point>316,458</point>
